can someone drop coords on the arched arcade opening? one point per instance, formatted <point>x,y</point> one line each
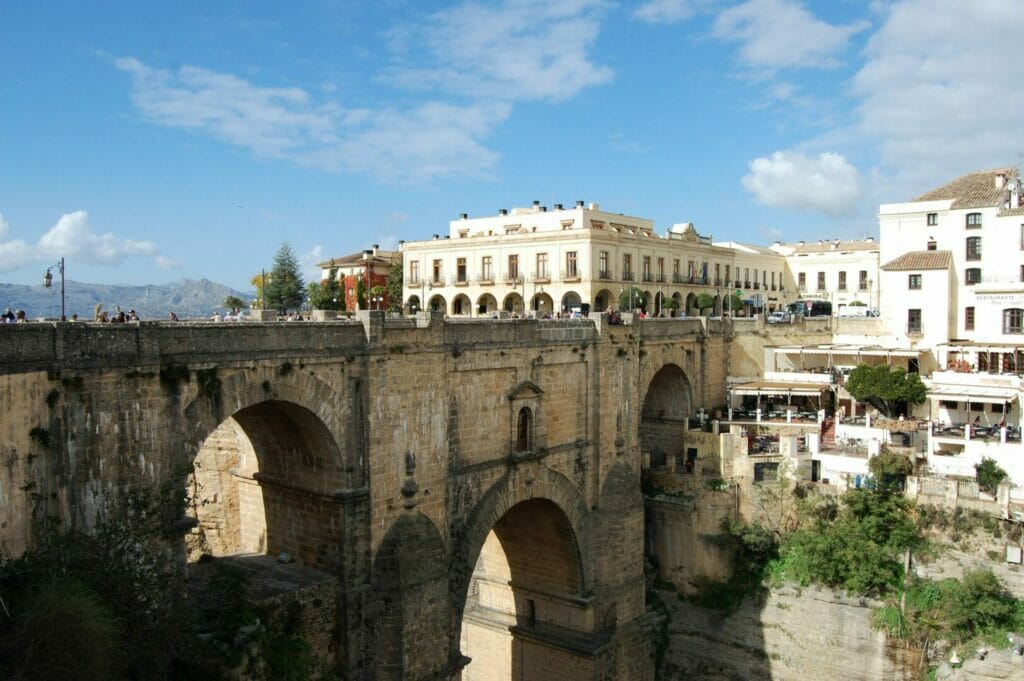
<point>513,304</point>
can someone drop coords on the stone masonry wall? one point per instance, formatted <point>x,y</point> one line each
<point>361,429</point>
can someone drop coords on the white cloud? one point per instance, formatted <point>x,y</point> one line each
<point>664,11</point>
<point>418,144</point>
<point>13,252</point>
<point>938,89</point>
<point>787,179</point>
<point>779,34</point>
<point>166,263</point>
<point>433,140</point>
<point>512,51</point>
<point>308,263</point>
<point>73,237</point>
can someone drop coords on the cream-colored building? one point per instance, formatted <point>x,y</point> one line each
<point>844,273</point>
<point>558,261</point>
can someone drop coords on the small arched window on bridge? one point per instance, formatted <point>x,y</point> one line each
<point>524,426</point>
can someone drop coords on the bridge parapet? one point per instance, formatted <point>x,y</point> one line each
<point>51,346</point>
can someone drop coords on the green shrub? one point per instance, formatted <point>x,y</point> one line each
<point>989,475</point>
<point>62,630</point>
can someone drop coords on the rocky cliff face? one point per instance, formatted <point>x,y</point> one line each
<point>804,634</point>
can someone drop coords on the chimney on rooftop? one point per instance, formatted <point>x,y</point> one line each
<point>536,206</point>
<point>376,247</point>
<point>595,206</point>
<point>463,216</point>
<point>543,209</point>
<point>367,253</point>
<point>436,237</point>
<point>579,203</point>
<point>558,206</point>
<point>1000,180</point>
<point>502,211</point>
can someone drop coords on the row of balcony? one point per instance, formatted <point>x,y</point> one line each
<point>823,289</point>
<point>545,277</point>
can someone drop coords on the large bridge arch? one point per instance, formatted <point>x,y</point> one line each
<point>521,580</point>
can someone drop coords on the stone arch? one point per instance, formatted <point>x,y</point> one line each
<point>519,562</point>
<point>409,578</point>
<point>264,465</point>
<point>541,303</point>
<point>513,303</point>
<point>570,300</point>
<point>413,304</point>
<point>667,407</point>
<point>461,306</point>
<point>659,303</point>
<point>438,304</point>
<point>486,304</point>
<point>691,305</point>
<point>680,309</point>
<point>648,303</point>
<point>603,300</point>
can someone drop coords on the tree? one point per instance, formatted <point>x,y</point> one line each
<point>631,299</point>
<point>259,282</point>
<point>733,303</point>
<point>284,289</point>
<point>233,303</point>
<point>360,292</point>
<point>989,475</point>
<point>328,294</point>
<point>394,287</point>
<point>705,301</point>
<point>890,470</point>
<point>885,388</point>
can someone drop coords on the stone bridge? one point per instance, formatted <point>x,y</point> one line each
<point>473,487</point>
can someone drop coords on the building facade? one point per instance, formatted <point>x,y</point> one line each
<point>548,262</point>
<point>372,266</point>
<point>845,273</point>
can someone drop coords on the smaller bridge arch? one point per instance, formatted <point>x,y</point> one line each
<point>264,468</point>
<point>667,407</point>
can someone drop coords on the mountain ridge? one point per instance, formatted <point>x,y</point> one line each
<point>184,297</point>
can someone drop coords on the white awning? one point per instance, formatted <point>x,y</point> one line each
<point>969,393</point>
<point>778,388</point>
<point>857,350</point>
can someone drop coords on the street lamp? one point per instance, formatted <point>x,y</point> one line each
<point>48,281</point>
<point>376,301</point>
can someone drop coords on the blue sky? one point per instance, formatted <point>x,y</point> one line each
<point>154,141</point>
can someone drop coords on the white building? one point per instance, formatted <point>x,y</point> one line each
<point>953,282</point>
<point>845,273</point>
<point>580,258</point>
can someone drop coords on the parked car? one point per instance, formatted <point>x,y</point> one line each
<point>779,317</point>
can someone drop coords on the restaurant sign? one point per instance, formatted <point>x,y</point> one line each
<point>1001,299</point>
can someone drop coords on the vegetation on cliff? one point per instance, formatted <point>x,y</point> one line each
<point>861,542</point>
<point>117,603</point>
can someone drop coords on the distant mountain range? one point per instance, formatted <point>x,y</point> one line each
<point>187,298</point>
